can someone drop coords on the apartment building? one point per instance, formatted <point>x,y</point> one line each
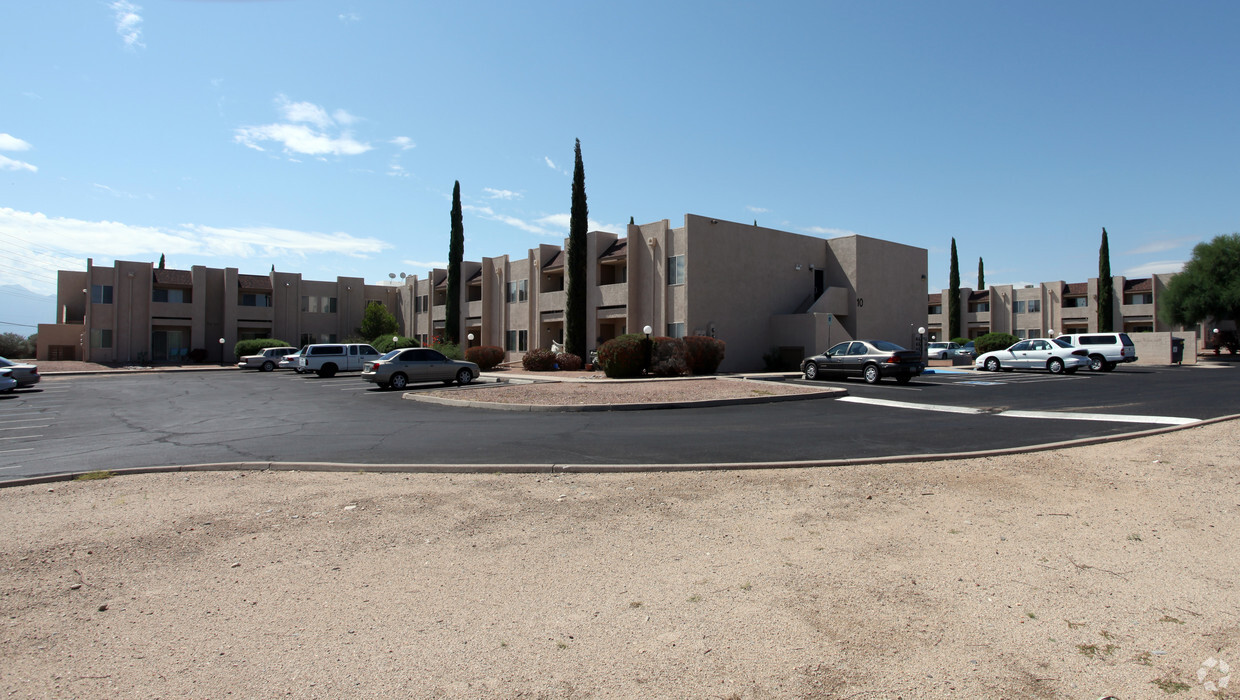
<point>133,311</point>
<point>767,293</point>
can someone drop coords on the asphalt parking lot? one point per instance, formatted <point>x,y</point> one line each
<point>94,422</point>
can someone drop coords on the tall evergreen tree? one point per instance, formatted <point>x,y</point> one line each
<point>631,221</point>
<point>575,301</point>
<point>456,253</point>
<point>161,261</point>
<point>1106,290</point>
<point>981,275</point>
<point>953,297</point>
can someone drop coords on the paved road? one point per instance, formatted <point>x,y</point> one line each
<point>71,424</point>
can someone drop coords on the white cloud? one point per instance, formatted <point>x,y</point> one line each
<point>493,193</point>
<point>296,137</point>
<point>396,170</point>
<point>1154,268</point>
<point>824,231</point>
<point>419,265</point>
<point>549,163</point>
<point>404,143</point>
<point>11,164</point>
<point>119,193</point>
<point>128,23</point>
<point>1162,246</point>
<point>350,17</point>
<point>12,143</point>
<point>757,210</point>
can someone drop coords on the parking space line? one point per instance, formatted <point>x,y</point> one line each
<point>23,449</point>
<point>21,437</point>
<point>905,404</point>
<point>1053,415</point>
<point>27,420</point>
<point>26,427</point>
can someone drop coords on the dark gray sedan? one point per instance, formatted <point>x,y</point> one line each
<point>870,359</point>
<point>402,367</point>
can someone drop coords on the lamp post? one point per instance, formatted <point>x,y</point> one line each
<point>649,346</point>
<point>222,363</point>
<point>470,338</point>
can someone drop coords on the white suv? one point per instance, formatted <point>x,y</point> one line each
<point>1105,349</point>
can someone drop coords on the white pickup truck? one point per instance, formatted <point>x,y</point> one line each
<point>326,359</point>
<point>266,360</point>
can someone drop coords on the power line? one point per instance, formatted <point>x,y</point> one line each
<point>22,325</point>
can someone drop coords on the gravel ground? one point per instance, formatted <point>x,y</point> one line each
<point>593,391</point>
<point>1076,573</point>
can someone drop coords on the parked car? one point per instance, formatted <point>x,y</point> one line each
<point>289,361</point>
<point>266,360</point>
<point>326,359</point>
<point>399,368</point>
<point>942,351</point>
<point>25,374</point>
<point>968,350</point>
<point>7,382</point>
<point>1053,355</point>
<point>1105,349</point>
<point>870,359</point>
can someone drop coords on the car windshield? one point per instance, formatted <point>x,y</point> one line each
<point>6,363</point>
<point>1062,343</point>
<point>389,355</point>
<point>886,346</point>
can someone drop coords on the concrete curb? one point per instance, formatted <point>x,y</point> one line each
<point>611,468</point>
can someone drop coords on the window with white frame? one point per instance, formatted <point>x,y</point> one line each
<point>676,269</point>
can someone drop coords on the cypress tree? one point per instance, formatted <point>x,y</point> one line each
<point>575,301</point>
<point>161,261</point>
<point>981,275</point>
<point>456,252</point>
<point>953,297</point>
<point>1106,291</point>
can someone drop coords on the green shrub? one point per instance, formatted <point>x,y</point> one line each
<point>487,357</point>
<point>452,351</point>
<point>994,341</point>
<point>538,360</point>
<point>568,362</point>
<point>385,344</point>
<point>253,347</point>
<point>703,353</point>
<point>624,356</point>
<point>960,341</point>
<point>667,357</point>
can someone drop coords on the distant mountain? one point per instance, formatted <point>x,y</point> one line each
<point>21,310</point>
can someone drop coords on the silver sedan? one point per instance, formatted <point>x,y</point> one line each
<point>26,375</point>
<point>1055,356</point>
<point>399,368</point>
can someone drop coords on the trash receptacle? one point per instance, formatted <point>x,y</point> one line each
<point>1177,350</point>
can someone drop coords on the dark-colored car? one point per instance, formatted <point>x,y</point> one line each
<point>870,359</point>
<point>402,367</point>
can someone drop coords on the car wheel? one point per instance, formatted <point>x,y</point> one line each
<point>267,366</point>
<point>398,381</point>
<point>1108,366</point>
<point>871,374</point>
<point>1096,363</point>
<point>811,371</point>
<point>992,364</point>
<point>464,377</point>
<point>328,370</point>
<point>1055,365</point>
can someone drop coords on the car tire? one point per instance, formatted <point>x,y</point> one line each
<point>464,376</point>
<point>1097,363</point>
<point>1108,366</point>
<point>398,382</point>
<point>811,371</point>
<point>328,370</point>
<point>1055,366</point>
<point>267,366</point>
<point>872,374</point>
<point>992,364</point>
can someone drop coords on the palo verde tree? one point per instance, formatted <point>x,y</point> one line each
<point>378,322</point>
<point>1106,289</point>
<point>953,298</point>
<point>575,295</point>
<point>981,275</point>
<point>456,253</point>
<point>1208,288</point>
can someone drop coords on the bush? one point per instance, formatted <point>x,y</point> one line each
<point>487,357</point>
<point>960,341</point>
<point>667,357</point>
<point>703,353</point>
<point>538,360</point>
<point>994,341</point>
<point>385,344</point>
<point>452,351</point>
<point>568,362</point>
<point>253,347</point>
<point>624,356</point>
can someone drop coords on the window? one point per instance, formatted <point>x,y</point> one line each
<point>675,330</point>
<point>101,294</point>
<point>318,305</point>
<point>979,307</point>
<point>1031,306</point>
<point>1075,302</point>
<point>1139,298</point>
<point>171,296</point>
<point>516,341</point>
<point>256,300</point>
<point>518,291</point>
<point>102,337</point>
<point>676,269</point>
<point>314,338</point>
<point>934,309</point>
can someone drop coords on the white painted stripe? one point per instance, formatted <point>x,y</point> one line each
<point>21,437</point>
<point>26,420</point>
<point>15,466</point>
<point>1104,417</point>
<point>906,404</point>
<point>27,427</point>
<point>24,449</point>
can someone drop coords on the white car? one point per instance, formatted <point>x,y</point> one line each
<point>25,374</point>
<point>941,351</point>
<point>266,360</point>
<point>7,383</point>
<point>289,361</point>
<point>1055,356</point>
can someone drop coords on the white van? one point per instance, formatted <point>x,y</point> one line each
<point>1105,349</point>
<point>326,359</point>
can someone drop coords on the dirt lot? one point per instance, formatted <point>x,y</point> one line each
<point>1081,573</point>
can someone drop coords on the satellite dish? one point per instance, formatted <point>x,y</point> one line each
<point>402,275</point>
<point>391,275</point>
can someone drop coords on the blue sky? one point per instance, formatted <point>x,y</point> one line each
<point>324,137</point>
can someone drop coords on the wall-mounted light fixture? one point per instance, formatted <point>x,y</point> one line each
<point>798,266</point>
<point>811,267</point>
<point>652,241</point>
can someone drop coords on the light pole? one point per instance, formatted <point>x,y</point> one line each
<point>222,363</point>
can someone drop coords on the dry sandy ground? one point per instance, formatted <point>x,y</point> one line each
<point>1079,573</point>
